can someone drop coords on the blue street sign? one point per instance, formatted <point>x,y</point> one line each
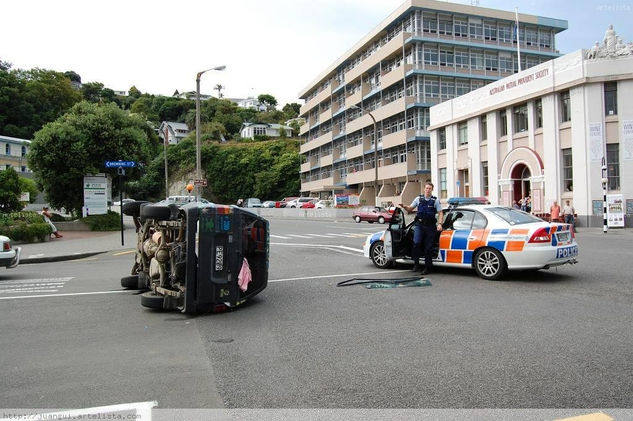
<point>120,164</point>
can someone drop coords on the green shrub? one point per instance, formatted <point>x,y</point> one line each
<point>13,218</point>
<point>108,222</point>
<point>27,232</point>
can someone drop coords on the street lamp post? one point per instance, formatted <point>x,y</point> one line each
<point>375,153</point>
<point>198,157</point>
<point>605,181</point>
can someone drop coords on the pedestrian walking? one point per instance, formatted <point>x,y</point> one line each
<point>428,221</point>
<point>554,212</point>
<point>568,214</point>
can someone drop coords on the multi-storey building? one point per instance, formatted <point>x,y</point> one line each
<point>13,154</point>
<point>424,53</point>
<point>555,132</point>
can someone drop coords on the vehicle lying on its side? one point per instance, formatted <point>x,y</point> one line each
<point>197,257</point>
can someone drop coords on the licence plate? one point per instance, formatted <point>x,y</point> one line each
<point>563,237</point>
<point>219,258</point>
<point>567,252</point>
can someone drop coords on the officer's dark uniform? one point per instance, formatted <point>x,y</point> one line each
<point>425,230</point>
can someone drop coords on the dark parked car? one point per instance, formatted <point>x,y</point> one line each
<point>372,214</point>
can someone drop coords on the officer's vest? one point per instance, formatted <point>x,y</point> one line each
<point>426,210</point>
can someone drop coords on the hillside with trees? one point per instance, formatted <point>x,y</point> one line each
<point>74,129</point>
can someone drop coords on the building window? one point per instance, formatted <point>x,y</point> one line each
<point>484,127</point>
<point>611,98</point>
<point>462,87</point>
<point>484,178</point>
<point>430,55</point>
<point>613,165</point>
<point>492,62</point>
<point>565,106</point>
<point>446,57</point>
<point>505,63</point>
<point>23,151</point>
<point>461,28</point>
<point>441,138</point>
<point>503,121</point>
<point>429,23</point>
<point>463,133</point>
<point>443,191</point>
<point>520,118</point>
<point>505,33</point>
<point>476,60</point>
<point>538,105</point>
<point>7,149</point>
<point>490,31</point>
<point>446,26</point>
<point>476,30</point>
<point>568,171</point>
<point>431,88</point>
<point>447,89</point>
<point>461,59</point>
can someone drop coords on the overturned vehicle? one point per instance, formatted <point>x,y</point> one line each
<point>198,257</point>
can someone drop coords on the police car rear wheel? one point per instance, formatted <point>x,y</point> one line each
<point>381,220</point>
<point>357,219</point>
<point>489,264</point>
<point>379,255</point>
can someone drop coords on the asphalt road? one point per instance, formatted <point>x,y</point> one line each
<point>552,339</point>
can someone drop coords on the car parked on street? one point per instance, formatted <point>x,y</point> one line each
<point>253,202</point>
<point>487,238</point>
<point>284,202</point>
<point>322,204</point>
<point>9,256</point>
<point>309,205</point>
<point>268,204</point>
<point>372,214</point>
<point>299,202</point>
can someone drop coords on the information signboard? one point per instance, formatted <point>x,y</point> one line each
<point>96,194</point>
<point>615,210</point>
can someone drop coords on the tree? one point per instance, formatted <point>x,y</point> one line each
<point>268,100</point>
<point>219,88</point>
<point>92,91</point>
<point>133,92</point>
<point>291,110</point>
<point>73,76</point>
<point>29,186</point>
<point>10,191</point>
<point>78,144</point>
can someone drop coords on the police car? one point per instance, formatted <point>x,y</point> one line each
<point>9,256</point>
<point>488,238</point>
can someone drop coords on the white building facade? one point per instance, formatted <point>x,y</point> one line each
<point>545,132</point>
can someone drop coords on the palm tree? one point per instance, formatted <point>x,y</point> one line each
<point>219,88</point>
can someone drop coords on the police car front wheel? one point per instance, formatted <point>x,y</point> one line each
<point>379,255</point>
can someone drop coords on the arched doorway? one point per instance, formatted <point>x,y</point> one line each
<point>521,181</point>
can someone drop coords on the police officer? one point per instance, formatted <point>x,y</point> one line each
<point>426,226</point>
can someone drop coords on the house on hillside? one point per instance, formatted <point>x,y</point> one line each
<point>13,153</point>
<point>250,130</point>
<point>174,132</point>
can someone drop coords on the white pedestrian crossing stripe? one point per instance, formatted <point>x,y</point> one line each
<point>33,285</point>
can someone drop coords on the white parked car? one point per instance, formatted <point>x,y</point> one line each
<point>490,239</point>
<point>298,202</point>
<point>9,256</point>
<point>322,204</point>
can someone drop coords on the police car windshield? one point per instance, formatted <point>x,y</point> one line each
<point>514,216</point>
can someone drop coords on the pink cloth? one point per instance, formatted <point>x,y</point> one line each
<point>245,276</point>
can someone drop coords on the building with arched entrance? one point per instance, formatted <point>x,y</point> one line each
<point>545,132</point>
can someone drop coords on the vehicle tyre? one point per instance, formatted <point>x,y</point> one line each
<point>130,282</point>
<point>379,255</point>
<point>160,212</point>
<point>151,300</point>
<point>381,220</point>
<point>132,208</point>
<point>489,264</point>
<point>357,219</point>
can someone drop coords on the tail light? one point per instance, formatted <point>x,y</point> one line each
<point>6,246</point>
<point>540,236</point>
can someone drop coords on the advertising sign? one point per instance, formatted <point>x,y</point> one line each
<point>96,195</point>
<point>346,200</point>
<point>615,210</point>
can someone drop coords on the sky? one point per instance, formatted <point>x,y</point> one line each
<point>275,47</point>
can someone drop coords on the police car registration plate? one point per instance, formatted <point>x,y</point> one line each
<point>566,252</point>
<point>562,237</point>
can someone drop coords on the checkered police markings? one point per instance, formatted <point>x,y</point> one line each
<point>33,285</point>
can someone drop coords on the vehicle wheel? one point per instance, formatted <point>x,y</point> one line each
<point>489,264</point>
<point>132,208</point>
<point>357,219</point>
<point>381,220</point>
<point>151,300</point>
<point>159,212</point>
<point>130,282</point>
<point>379,255</point>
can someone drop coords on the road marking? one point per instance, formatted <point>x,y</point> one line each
<point>297,236</point>
<point>338,275</point>
<point>326,246</point>
<point>279,236</point>
<point>124,252</point>
<point>339,235</point>
<point>33,285</point>
<point>71,294</point>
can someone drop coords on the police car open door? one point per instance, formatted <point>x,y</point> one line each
<point>397,241</point>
